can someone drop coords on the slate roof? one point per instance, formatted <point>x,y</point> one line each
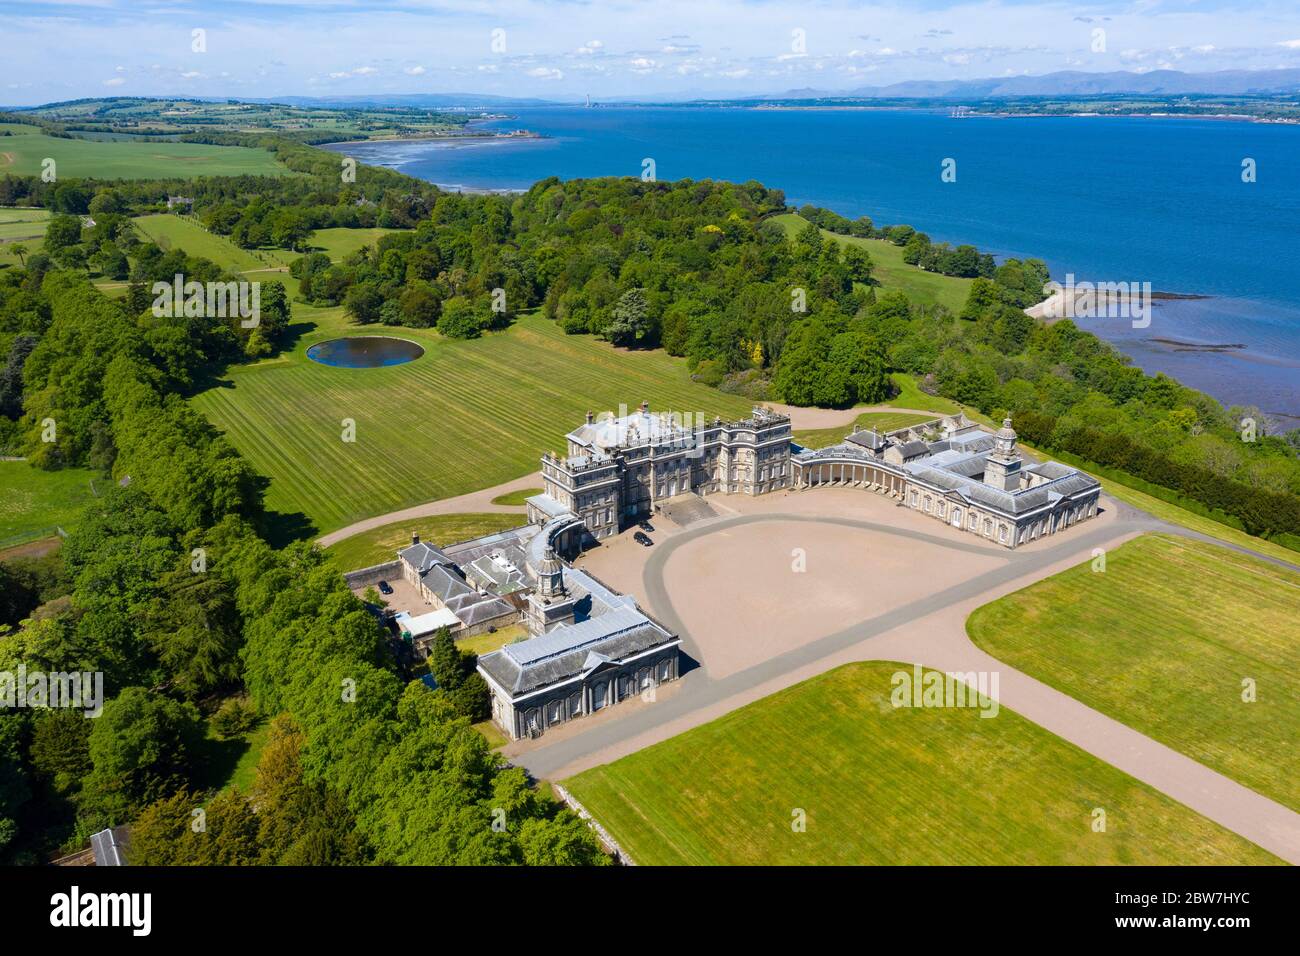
<point>424,556</point>
<point>867,439</point>
<point>571,650</point>
<point>461,599</point>
<point>107,848</point>
<point>1006,502</point>
<point>639,428</point>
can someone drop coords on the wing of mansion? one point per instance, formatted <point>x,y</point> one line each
<point>589,647</point>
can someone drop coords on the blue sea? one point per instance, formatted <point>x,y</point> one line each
<point>1135,199</point>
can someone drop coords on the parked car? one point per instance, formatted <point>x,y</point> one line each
<point>642,538</point>
<point>385,587</point>
<point>645,526</point>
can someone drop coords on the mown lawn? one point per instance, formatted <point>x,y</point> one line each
<point>338,244</point>
<point>879,785</point>
<point>33,502</point>
<point>910,396</point>
<point>880,421</point>
<point>465,415</point>
<point>1161,641</point>
<point>23,152</point>
<point>516,497</point>
<point>891,272</point>
<point>369,548</point>
<point>486,643</point>
<point>177,232</point>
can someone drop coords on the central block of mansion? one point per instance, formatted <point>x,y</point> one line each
<point>589,647</point>
<point>619,467</point>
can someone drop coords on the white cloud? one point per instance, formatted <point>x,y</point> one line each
<point>1290,44</point>
<point>115,81</point>
<point>546,73</point>
<point>643,64</point>
<point>414,71</point>
<point>191,75</point>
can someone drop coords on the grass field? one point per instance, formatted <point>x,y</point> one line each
<point>516,497</point>
<point>25,227</point>
<point>486,643</point>
<point>1162,641</point>
<point>880,421</point>
<point>23,152</point>
<point>891,272</point>
<point>176,232</point>
<point>881,785</point>
<point>369,548</point>
<point>911,396</point>
<point>466,415</point>
<point>338,244</point>
<point>34,502</point>
<point>22,224</point>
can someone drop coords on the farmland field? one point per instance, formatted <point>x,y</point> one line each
<point>878,785</point>
<point>22,153</point>
<point>1162,641</point>
<point>464,416</point>
<point>889,269</point>
<point>21,227</point>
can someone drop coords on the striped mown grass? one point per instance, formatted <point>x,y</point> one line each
<point>466,415</point>
<point>879,785</point>
<point>1162,641</point>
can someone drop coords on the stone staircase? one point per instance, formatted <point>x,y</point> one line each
<point>686,510</point>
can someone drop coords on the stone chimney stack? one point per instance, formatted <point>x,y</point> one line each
<point>415,537</point>
<point>590,418</point>
<point>645,408</point>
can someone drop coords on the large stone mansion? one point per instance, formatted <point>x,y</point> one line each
<point>619,468</point>
<point>588,647</point>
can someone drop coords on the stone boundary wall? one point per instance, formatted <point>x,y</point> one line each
<point>609,842</point>
<point>366,576</point>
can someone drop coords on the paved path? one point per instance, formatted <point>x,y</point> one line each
<point>930,632</point>
<point>476,501</point>
<point>810,418</point>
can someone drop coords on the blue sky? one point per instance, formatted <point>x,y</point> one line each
<point>56,50</point>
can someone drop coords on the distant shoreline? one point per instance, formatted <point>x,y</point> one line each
<point>1005,114</point>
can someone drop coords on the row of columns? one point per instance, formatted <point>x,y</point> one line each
<point>853,475</point>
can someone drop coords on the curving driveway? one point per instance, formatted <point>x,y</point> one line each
<point>928,630</point>
<point>475,501</point>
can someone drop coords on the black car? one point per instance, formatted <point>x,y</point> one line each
<point>645,526</point>
<point>385,587</point>
<point>641,538</point>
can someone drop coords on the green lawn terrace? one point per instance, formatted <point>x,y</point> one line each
<point>871,784</point>
<point>1162,640</point>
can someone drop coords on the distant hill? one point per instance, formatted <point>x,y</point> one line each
<point>437,101</point>
<point>1078,83</point>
